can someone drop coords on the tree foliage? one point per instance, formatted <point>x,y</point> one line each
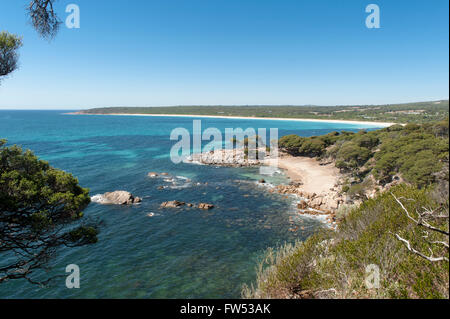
<point>9,45</point>
<point>40,211</point>
<point>43,18</point>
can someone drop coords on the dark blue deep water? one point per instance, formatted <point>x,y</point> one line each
<point>182,253</point>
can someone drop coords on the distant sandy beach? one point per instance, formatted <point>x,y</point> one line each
<point>372,124</point>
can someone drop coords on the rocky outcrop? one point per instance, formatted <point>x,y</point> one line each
<point>116,198</point>
<point>152,174</point>
<point>312,203</point>
<point>205,206</point>
<point>172,204</point>
<point>228,157</point>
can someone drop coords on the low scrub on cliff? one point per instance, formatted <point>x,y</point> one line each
<point>392,246</point>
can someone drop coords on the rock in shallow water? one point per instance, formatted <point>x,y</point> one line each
<point>205,206</point>
<point>116,198</point>
<point>172,204</point>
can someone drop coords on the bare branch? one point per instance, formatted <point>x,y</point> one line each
<point>420,221</point>
<point>429,258</point>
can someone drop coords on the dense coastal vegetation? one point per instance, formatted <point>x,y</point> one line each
<point>333,264</point>
<point>403,230</point>
<point>397,113</point>
<point>413,153</point>
<point>40,211</point>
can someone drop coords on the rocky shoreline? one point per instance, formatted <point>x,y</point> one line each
<point>312,204</point>
<point>324,203</point>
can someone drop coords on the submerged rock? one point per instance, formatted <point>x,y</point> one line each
<point>152,174</point>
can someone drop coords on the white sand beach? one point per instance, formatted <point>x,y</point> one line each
<point>369,123</point>
<point>315,178</point>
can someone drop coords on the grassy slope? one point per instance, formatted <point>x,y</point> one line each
<point>427,111</point>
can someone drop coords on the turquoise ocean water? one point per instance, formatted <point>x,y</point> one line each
<point>182,253</point>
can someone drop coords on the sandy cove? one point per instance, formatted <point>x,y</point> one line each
<point>316,184</point>
<point>313,175</point>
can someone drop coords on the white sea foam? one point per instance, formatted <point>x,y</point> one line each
<point>99,198</point>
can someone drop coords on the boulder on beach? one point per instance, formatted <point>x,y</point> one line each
<point>262,181</point>
<point>205,206</point>
<point>117,198</point>
<point>172,204</point>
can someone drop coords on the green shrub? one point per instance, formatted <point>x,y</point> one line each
<point>351,156</point>
<point>333,264</point>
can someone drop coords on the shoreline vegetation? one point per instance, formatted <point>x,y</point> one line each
<point>384,193</point>
<point>395,219</point>
<point>420,112</point>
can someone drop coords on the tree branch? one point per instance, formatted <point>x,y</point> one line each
<point>410,248</point>
<point>421,221</point>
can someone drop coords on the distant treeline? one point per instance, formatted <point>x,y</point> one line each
<point>420,112</point>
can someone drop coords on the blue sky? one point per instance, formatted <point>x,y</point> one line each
<point>204,52</point>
